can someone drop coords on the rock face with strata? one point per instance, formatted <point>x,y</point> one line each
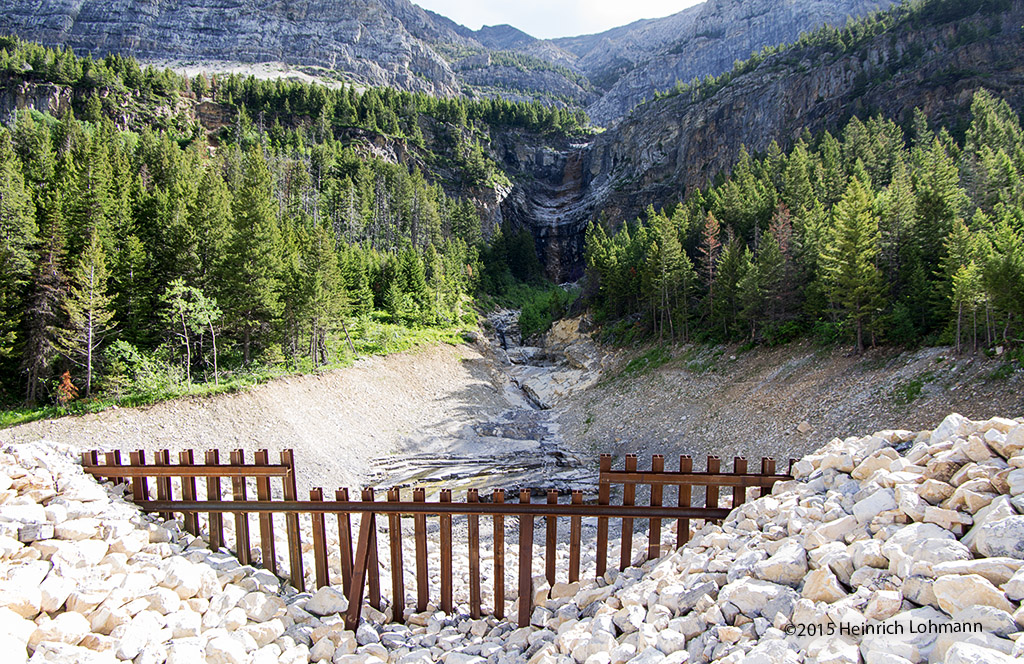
<point>633,62</point>
<point>379,42</point>
<point>396,43</point>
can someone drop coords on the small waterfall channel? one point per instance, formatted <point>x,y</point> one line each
<point>520,447</point>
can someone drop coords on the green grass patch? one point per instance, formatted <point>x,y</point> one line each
<point>652,359</point>
<point>1002,372</point>
<point>905,393</point>
<point>701,359</point>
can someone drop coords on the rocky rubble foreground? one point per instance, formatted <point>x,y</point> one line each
<point>894,547</point>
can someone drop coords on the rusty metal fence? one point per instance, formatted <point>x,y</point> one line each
<point>359,563</point>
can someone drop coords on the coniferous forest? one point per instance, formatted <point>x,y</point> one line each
<point>137,254</point>
<point>143,252</point>
<point>879,235</point>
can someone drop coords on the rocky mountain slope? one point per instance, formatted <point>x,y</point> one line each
<point>396,43</point>
<point>375,42</point>
<point>666,148</point>
<point>632,62</point>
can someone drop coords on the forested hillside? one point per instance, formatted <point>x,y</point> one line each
<point>141,248</point>
<point>872,236</point>
<point>165,230</point>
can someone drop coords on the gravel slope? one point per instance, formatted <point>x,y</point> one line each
<point>338,422</point>
<point>719,401</point>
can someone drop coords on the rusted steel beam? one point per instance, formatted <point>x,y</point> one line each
<point>320,566</point>
<point>373,565</point>
<point>575,539</point>
<point>140,487</point>
<point>266,519</point>
<point>291,521</point>
<point>187,471</point>
<point>628,499</point>
<point>188,491</point>
<point>238,494</point>
<point>114,459</point>
<point>550,539</point>
<point>767,468</point>
<point>446,554</point>
<point>654,524</point>
<point>691,479</point>
<point>344,537</point>
<point>498,498</point>
<point>420,532</point>
<point>91,459</point>
<point>163,482</point>
<point>472,496</point>
<point>361,563</point>
<point>739,493</point>
<point>711,495</point>
<point>683,501</point>
<point>525,561</point>
<point>397,568</point>
<point>603,500</point>
<point>212,495</point>
<point>404,508</point>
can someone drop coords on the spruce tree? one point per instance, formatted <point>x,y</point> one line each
<point>252,296</point>
<point>88,310</point>
<point>665,264</point>
<point>45,302</point>
<point>17,238</point>
<point>710,247</point>
<point>848,261</point>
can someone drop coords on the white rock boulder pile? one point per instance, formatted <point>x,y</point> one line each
<point>895,547</point>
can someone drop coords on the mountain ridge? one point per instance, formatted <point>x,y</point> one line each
<point>398,44</point>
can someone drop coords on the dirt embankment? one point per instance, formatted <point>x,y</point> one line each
<point>782,402</point>
<point>338,422</point>
<point>717,401</point>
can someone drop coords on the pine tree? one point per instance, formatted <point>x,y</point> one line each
<point>665,264</point>
<point>91,205</point>
<point>210,223</point>
<point>325,299</point>
<point>710,247</point>
<point>848,261</point>
<point>736,262</point>
<point>44,308</point>
<point>254,263</point>
<point>17,236</point>
<point>1003,273</point>
<point>88,310</point>
<point>961,268</point>
<point>897,227</point>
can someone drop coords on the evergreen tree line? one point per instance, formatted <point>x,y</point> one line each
<point>873,236</point>
<point>122,249</point>
<point>108,85</point>
<point>384,110</point>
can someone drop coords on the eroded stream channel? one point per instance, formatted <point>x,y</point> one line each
<point>521,446</point>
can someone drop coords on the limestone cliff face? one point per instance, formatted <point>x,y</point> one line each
<point>397,44</point>
<point>371,42</point>
<point>632,62</point>
<point>45,98</point>
<point>377,42</point>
